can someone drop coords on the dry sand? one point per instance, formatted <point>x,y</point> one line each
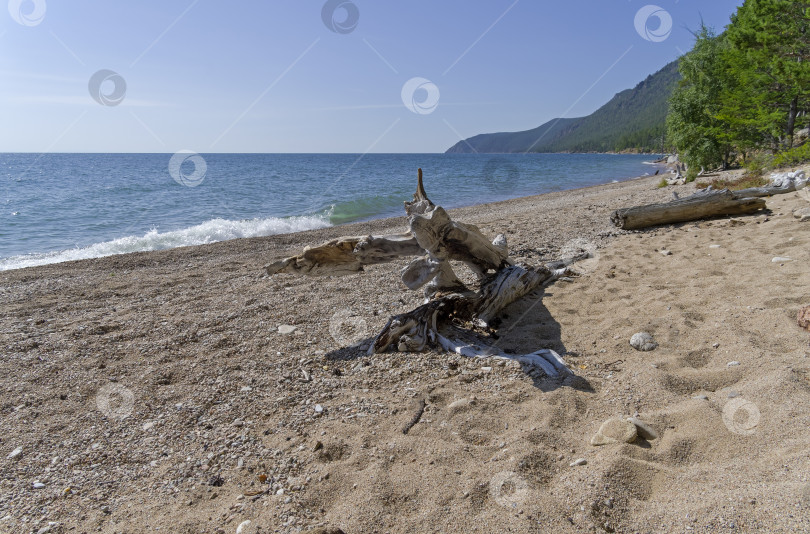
<point>153,392</point>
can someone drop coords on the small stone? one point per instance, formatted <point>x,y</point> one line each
<point>148,425</point>
<point>280,491</point>
<point>665,252</point>
<point>644,429</point>
<point>486,369</point>
<point>578,461</point>
<point>615,430</point>
<point>38,485</point>
<point>701,397</point>
<point>245,389</point>
<point>643,341</point>
<point>458,406</point>
<point>318,409</point>
<point>15,453</point>
<point>803,318</point>
<point>733,394</point>
<point>781,259</point>
<point>714,246</point>
<point>242,526</point>
<point>287,329</point>
<point>716,345</point>
<point>733,364</point>
<point>803,214</point>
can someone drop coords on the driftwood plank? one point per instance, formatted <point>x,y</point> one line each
<point>701,205</point>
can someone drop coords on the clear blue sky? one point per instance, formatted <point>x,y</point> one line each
<point>270,76</point>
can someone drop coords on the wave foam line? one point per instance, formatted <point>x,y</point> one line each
<point>208,232</point>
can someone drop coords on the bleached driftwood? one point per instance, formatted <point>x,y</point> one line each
<point>347,255</point>
<point>701,205</point>
<point>461,343</point>
<point>767,191</point>
<point>450,305</point>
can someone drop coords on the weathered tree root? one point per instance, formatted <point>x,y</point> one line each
<point>437,240</point>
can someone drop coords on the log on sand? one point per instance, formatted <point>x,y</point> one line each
<point>701,205</point>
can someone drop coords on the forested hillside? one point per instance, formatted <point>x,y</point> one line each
<point>633,120</point>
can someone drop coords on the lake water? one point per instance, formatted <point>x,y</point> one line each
<point>60,207</point>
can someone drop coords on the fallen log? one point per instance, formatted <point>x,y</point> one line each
<point>452,311</point>
<point>701,205</point>
<point>767,191</point>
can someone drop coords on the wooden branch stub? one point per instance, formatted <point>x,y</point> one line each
<point>445,239</point>
<point>347,255</point>
<point>701,205</point>
<point>507,286</point>
<point>420,203</point>
<point>439,273</point>
<point>420,187</point>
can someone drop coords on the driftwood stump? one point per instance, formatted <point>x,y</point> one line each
<point>452,310</point>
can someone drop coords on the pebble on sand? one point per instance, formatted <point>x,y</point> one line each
<point>15,453</point>
<point>803,318</point>
<point>286,329</point>
<point>643,341</point>
<point>578,461</point>
<point>458,405</point>
<point>644,429</point>
<point>242,526</point>
<point>615,430</point>
<point>781,259</point>
<point>803,214</point>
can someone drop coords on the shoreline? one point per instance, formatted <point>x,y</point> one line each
<point>157,390</point>
<point>383,222</point>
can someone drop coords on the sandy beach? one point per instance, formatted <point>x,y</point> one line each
<point>155,391</point>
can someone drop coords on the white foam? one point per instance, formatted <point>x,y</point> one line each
<point>207,232</point>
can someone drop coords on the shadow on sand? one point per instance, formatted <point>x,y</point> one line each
<point>523,327</point>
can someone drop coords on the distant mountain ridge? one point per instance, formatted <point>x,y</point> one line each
<point>634,120</point>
